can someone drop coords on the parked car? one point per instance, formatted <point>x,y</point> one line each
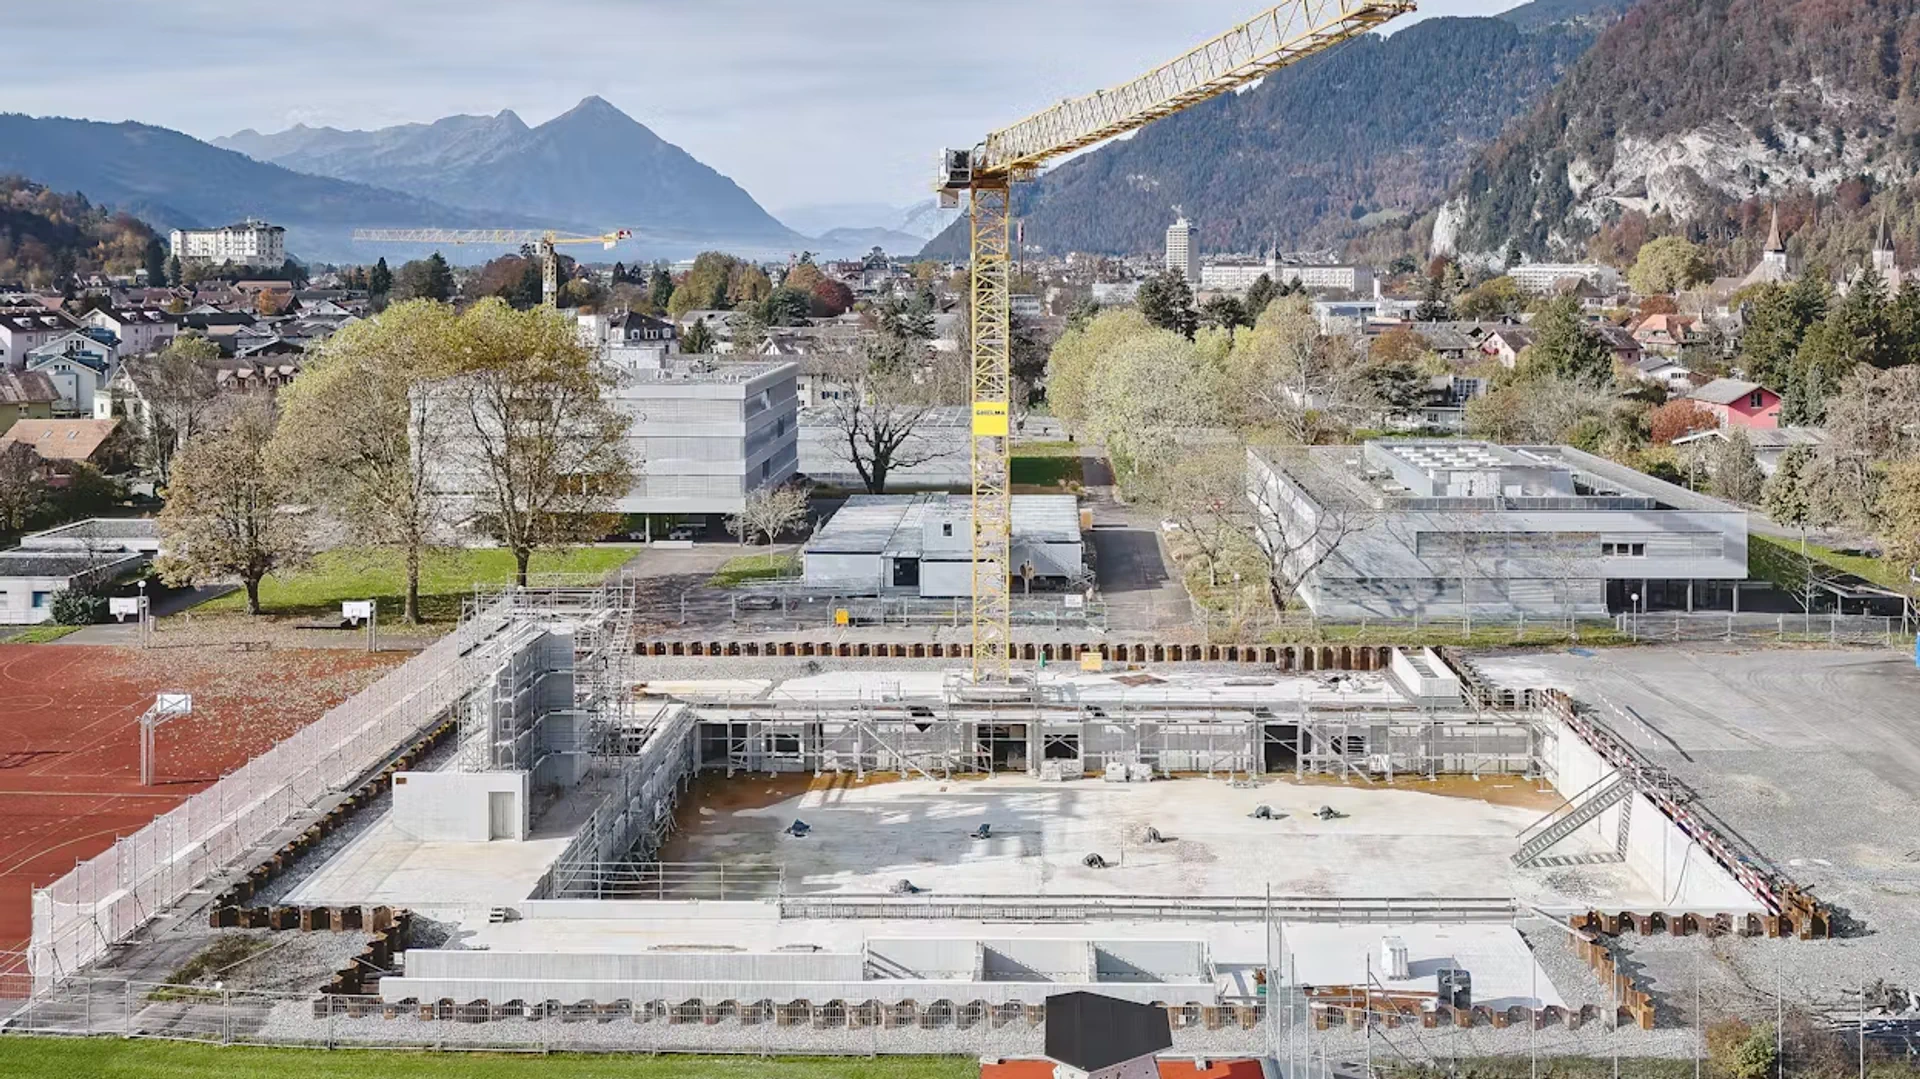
<point>684,532</point>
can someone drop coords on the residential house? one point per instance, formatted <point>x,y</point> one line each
<point>77,363</point>
<point>1739,404</point>
<point>1666,370</point>
<point>1665,334</point>
<point>1769,444</point>
<point>27,395</point>
<point>23,329</point>
<point>139,330</point>
<point>1506,343</point>
<point>1627,352</point>
<point>69,441</point>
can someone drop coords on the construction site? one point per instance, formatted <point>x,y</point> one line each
<point>543,830</point>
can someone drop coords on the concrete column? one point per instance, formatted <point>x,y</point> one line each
<point>1689,595</point>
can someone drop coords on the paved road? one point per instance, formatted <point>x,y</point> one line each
<point>1143,594</point>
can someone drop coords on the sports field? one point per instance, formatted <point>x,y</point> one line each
<point>70,752</point>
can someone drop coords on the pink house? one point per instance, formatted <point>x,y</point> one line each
<point>1739,404</point>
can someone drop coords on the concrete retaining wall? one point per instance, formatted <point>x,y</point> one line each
<point>1673,866</point>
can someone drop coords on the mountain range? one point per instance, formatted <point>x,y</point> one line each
<point>171,180</point>
<point>592,169</point>
<point>1379,127</point>
<point>1701,113</point>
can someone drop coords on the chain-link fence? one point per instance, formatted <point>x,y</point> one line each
<point>107,897</point>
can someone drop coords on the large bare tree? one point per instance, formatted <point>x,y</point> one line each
<point>1286,373</point>
<point>226,513</point>
<point>181,389</point>
<point>879,425</point>
<point>541,450</point>
<point>352,438</point>
<point>1204,493</point>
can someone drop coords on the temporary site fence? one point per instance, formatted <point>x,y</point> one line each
<point>106,898</point>
<point>1891,631</point>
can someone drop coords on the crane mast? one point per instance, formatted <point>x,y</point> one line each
<point>984,176</point>
<point>543,242</point>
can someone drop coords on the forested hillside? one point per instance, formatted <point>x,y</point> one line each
<point>1688,109</point>
<point>45,235</point>
<point>1378,126</point>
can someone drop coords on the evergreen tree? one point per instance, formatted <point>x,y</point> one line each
<point>1433,303</point>
<point>174,275</point>
<point>619,273</point>
<point>1566,347</point>
<point>1788,496</point>
<point>1259,295</point>
<point>1903,324</point>
<point>380,281</point>
<point>1167,302</point>
<point>156,263</point>
<point>660,288</point>
<point>698,340</point>
<point>1736,474</point>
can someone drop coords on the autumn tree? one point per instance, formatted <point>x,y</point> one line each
<point>225,517</point>
<point>1679,418</point>
<point>1285,372</point>
<point>23,487</point>
<point>1668,264</point>
<point>1492,300</point>
<point>352,439</point>
<point>1899,520</point>
<point>533,434</point>
<point>429,278</point>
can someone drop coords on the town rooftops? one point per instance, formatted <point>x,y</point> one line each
<point>61,440</point>
<point>1725,391</point>
<point>27,388</point>
<point>21,321</point>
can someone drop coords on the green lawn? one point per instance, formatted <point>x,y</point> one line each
<point>99,1058</point>
<point>1778,560</point>
<point>1046,464</point>
<point>754,567</point>
<point>40,634</point>
<point>380,574</point>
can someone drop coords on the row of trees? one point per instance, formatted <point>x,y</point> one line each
<point>400,428</point>
<point>1804,342</point>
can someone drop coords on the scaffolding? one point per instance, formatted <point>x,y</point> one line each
<point>938,740</point>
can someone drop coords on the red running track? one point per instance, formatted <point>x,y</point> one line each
<point>70,753</point>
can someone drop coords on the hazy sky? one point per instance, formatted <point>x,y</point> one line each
<point>801,103</point>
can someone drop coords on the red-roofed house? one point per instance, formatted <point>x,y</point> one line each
<point>1739,404</point>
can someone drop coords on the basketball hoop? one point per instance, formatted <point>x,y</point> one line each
<point>166,706</point>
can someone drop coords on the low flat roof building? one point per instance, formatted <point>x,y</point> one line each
<point>84,554</point>
<point>923,545</point>
<point>1443,528</point>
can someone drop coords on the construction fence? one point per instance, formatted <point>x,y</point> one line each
<point>1888,631</point>
<point>106,898</point>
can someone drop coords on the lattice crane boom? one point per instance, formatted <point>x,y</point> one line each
<point>544,242</point>
<point>985,174</point>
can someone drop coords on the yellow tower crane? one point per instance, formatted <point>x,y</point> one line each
<point>544,242</point>
<point>985,175</point>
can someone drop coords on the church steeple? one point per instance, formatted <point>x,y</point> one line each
<point>1773,234</point>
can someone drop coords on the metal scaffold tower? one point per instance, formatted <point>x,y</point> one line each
<point>985,175</point>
